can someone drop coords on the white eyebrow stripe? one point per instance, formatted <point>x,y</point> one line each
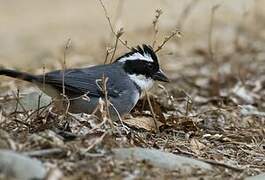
<point>137,56</point>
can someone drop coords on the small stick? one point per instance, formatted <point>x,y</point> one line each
<point>176,32</point>
<point>44,77</point>
<point>97,141</point>
<point>210,34</point>
<point>111,27</point>
<point>108,51</point>
<point>222,165</point>
<point>44,152</point>
<point>38,110</point>
<point>158,13</point>
<point>67,46</point>
<point>19,103</point>
<point>105,91</point>
<point>118,114</point>
<point>119,34</point>
<point>152,111</point>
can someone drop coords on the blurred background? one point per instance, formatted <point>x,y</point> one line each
<point>33,33</point>
<point>222,41</point>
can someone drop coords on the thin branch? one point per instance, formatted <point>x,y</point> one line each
<point>44,77</point>
<point>222,165</point>
<point>119,34</point>
<point>105,91</point>
<point>152,111</point>
<point>108,51</point>
<point>19,103</point>
<point>158,13</point>
<point>102,85</point>
<point>125,43</point>
<point>67,104</point>
<point>176,32</point>
<point>67,46</point>
<point>117,113</point>
<point>44,152</point>
<point>38,109</point>
<point>96,142</point>
<point>210,34</point>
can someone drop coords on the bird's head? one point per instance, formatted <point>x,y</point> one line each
<point>142,66</point>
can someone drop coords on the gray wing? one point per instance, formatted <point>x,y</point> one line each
<point>83,81</point>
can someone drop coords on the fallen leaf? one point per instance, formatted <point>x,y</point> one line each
<point>146,123</point>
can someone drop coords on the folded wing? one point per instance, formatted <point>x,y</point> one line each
<point>85,81</point>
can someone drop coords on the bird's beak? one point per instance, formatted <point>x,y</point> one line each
<point>160,76</point>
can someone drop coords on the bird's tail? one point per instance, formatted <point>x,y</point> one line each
<point>19,75</point>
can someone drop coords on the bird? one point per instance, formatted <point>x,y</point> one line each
<point>128,77</point>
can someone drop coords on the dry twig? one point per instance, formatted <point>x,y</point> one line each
<point>66,47</point>
<point>108,51</point>
<point>158,13</point>
<point>152,111</point>
<point>210,34</point>
<point>44,152</point>
<point>125,43</point>
<point>176,32</point>
<point>119,34</point>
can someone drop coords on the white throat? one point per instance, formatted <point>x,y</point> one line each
<point>143,82</point>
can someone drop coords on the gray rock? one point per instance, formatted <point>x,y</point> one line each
<point>16,166</point>
<point>160,159</point>
<point>258,177</point>
<point>27,101</point>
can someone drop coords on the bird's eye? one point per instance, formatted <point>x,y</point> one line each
<point>150,66</point>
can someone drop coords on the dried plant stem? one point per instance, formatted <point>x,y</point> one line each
<point>44,152</point>
<point>176,32</point>
<point>44,77</point>
<point>98,125</point>
<point>103,88</point>
<point>105,91</point>
<point>119,34</point>
<point>152,111</point>
<point>111,27</point>
<point>212,162</point>
<point>64,97</point>
<point>67,46</point>
<point>38,109</point>
<point>68,104</point>
<point>188,105</point>
<point>210,34</point>
<point>108,51</point>
<point>158,13</point>
<point>97,141</point>
<point>19,103</point>
<point>117,112</point>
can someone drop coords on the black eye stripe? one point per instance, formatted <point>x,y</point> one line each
<point>140,67</point>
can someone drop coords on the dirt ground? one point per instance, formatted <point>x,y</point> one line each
<point>213,110</point>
